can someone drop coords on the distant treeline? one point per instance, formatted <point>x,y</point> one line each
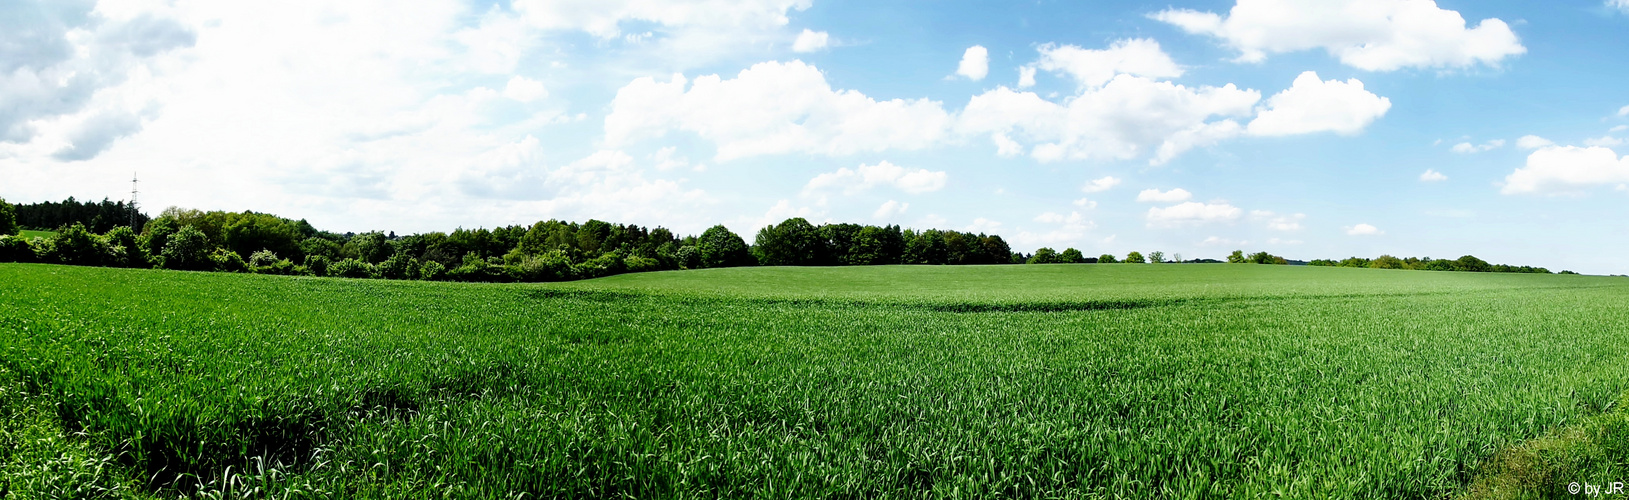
<point>98,217</point>
<point>94,234</point>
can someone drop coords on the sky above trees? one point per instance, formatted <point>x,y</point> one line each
<point>1308,129</point>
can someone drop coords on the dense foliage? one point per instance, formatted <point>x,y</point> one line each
<point>98,217</point>
<point>1126,381</point>
<point>1466,263</point>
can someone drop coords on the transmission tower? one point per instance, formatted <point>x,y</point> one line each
<point>133,212</point>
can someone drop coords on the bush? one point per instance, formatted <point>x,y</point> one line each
<point>399,267</point>
<point>317,264</point>
<point>1106,259</point>
<point>1135,258</point>
<point>187,249</point>
<point>687,257</point>
<point>228,261</point>
<point>266,262</point>
<point>75,245</point>
<point>351,268</point>
<point>432,271</point>
<point>124,248</point>
<point>8,219</point>
<point>550,266</point>
<point>15,249</point>
<point>637,264</point>
<point>1043,255</point>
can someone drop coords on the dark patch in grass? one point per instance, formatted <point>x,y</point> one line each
<point>585,295</point>
<point>1085,305</point>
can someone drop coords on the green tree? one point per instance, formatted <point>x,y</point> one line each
<point>877,245</point>
<point>1043,255</point>
<point>125,247</point>
<point>1156,257</point>
<point>252,232</point>
<point>1107,259</point>
<point>1237,257</point>
<point>371,248</point>
<point>1134,258</point>
<point>1386,262</point>
<point>8,219</point>
<point>926,247</point>
<point>719,247</point>
<point>187,250</point>
<point>76,245</point>
<point>156,235</point>
<point>1071,256</point>
<point>1471,264</point>
<point>793,242</point>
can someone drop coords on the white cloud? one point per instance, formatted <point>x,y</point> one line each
<point>865,177</point>
<point>932,221</point>
<point>1172,196</point>
<point>975,63</point>
<point>890,209</point>
<point>1374,35</point>
<point>1070,230</point>
<point>1618,128</point>
<point>1468,148</point>
<point>1277,222</point>
<point>1432,176</point>
<point>524,89</point>
<point>1101,184</point>
<point>1218,241</point>
<point>1622,5</point>
<point>1094,68</point>
<point>1567,170</point>
<point>773,108</point>
<point>1623,111</point>
<point>1533,142</point>
<point>1363,230</point>
<point>1605,141</point>
<point>604,184</point>
<point>982,225</point>
<point>810,41</point>
<point>1026,76</point>
<point>781,211</point>
<point>1191,213</point>
<point>603,18</point>
<point>1312,105</point>
<point>1085,203</point>
<point>1280,241</point>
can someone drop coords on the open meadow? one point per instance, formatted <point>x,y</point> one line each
<point>1042,381</point>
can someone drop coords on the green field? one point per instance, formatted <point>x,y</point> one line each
<point>1044,381</point>
<point>30,233</point>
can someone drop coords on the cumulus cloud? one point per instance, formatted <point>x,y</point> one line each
<point>1192,213</point>
<point>982,225</point>
<point>1363,230</point>
<point>1156,196</point>
<point>1567,170</point>
<point>55,57</point>
<point>1085,203</point>
<point>1218,241</point>
<point>865,177</point>
<point>1432,176</point>
<point>975,63</point>
<point>1101,184</point>
<point>604,18</point>
<point>1605,141</point>
<point>810,41</point>
<point>1623,111</point>
<point>1468,148</point>
<point>773,108</point>
<point>1374,35</point>
<point>1312,105</point>
<point>890,209</point>
<point>1533,142</point>
<point>1068,229</point>
<point>1094,68</point>
<point>1622,5</point>
<point>1279,222</point>
<point>524,89</point>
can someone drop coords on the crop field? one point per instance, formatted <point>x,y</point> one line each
<point>30,233</point>
<point>1041,381</point>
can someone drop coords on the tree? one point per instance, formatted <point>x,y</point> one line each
<point>926,247</point>
<point>1386,262</point>
<point>1237,257</point>
<point>1176,257</point>
<point>1071,256</point>
<point>187,250</point>
<point>719,247</point>
<point>371,248</point>
<point>156,235</point>
<point>76,245</point>
<point>1265,258</point>
<point>125,248</point>
<point>877,245</point>
<point>793,242</point>
<point>8,219</point>
<point>1156,257</point>
<point>1043,255</point>
<point>1354,262</point>
<point>252,232</point>
<point>1134,258</point>
<point>1471,264</point>
<point>1106,259</point>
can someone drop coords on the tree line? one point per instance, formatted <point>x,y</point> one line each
<point>550,250</point>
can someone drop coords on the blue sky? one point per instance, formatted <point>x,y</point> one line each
<point>1309,129</point>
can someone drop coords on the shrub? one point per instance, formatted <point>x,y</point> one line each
<point>125,248</point>
<point>637,264</point>
<point>76,245</point>
<point>1043,255</point>
<point>432,271</point>
<point>687,257</point>
<point>228,261</point>
<point>187,249</point>
<point>15,249</point>
<point>8,219</point>
<point>1106,259</point>
<point>351,268</point>
<point>604,265</point>
<point>550,266</point>
<point>1135,258</point>
<point>399,267</point>
<point>317,264</point>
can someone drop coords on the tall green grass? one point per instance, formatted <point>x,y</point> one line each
<point>888,382</point>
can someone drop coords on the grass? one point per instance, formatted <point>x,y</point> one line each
<point>1061,381</point>
<point>30,233</point>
